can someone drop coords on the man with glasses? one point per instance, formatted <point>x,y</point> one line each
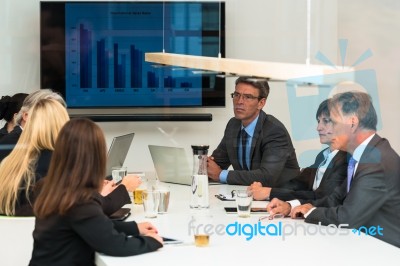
<point>257,145</point>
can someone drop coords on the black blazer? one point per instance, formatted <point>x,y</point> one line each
<point>8,142</point>
<point>74,238</point>
<point>273,158</point>
<point>3,131</point>
<point>374,196</point>
<point>334,176</point>
<point>23,206</point>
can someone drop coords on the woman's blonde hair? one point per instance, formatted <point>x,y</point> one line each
<point>17,171</point>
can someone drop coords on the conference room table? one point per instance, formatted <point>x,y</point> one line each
<point>280,241</point>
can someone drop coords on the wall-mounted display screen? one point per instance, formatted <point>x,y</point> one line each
<point>93,53</point>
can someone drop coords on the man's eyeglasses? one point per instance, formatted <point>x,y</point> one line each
<point>246,97</point>
<point>271,217</point>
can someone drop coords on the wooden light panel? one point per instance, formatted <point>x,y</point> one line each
<point>271,70</point>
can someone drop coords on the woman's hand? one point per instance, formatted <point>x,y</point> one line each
<point>131,182</point>
<point>108,187</point>
<point>147,228</point>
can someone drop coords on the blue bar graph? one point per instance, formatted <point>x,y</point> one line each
<point>120,67</point>
<point>136,67</point>
<point>85,57</point>
<point>105,56</point>
<point>102,65</point>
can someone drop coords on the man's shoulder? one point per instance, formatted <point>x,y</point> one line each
<point>379,151</point>
<point>3,130</point>
<point>271,122</point>
<point>16,130</point>
<point>342,155</point>
<point>381,145</point>
<point>11,138</point>
<point>272,119</point>
<point>233,122</point>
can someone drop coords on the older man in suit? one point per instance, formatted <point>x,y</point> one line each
<point>257,145</point>
<point>318,180</point>
<point>371,195</point>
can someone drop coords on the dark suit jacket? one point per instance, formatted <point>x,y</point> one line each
<point>24,206</point>
<point>273,159</point>
<point>374,196</point>
<point>3,131</point>
<point>334,176</point>
<point>7,143</point>
<point>72,239</point>
<point>110,203</point>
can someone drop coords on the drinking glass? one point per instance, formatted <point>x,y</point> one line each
<point>244,199</point>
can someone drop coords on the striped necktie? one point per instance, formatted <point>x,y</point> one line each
<point>350,172</point>
<point>244,146</point>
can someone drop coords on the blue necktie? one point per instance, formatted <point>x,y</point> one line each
<point>350,171</point>
<point>244,145</point>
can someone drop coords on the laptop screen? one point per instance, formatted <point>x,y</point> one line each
<point>171,164</point>
<point>118,150</point>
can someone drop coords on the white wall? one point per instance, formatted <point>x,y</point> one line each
<point>265,30</point>
<point>375,25</point>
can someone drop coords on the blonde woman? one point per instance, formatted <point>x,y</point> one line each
<point>8,142</point>
<point>28,162</point>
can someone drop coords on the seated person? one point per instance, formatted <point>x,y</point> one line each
<point>28,163</point>
<point>70,224</point>
<point>320,179</point>
<point>370,197</point>
<point>7,143</point>
<point>257,145</point>
<point>9,108</point>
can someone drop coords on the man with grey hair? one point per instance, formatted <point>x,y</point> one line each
<point>8,142</point>
<point>369,200</point>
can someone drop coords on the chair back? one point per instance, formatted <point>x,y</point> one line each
<point>16,241</point>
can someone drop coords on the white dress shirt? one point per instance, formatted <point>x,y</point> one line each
<point>328,155</point>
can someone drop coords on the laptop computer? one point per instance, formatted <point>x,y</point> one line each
<point>171,165</point>
<point>118,150</point>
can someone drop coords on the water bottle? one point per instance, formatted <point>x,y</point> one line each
<point>199,187</point>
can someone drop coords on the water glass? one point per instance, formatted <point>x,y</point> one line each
<point>244,199</point>
<point>118,172</point>
<point>164,201</point>
<point>151,201</point>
